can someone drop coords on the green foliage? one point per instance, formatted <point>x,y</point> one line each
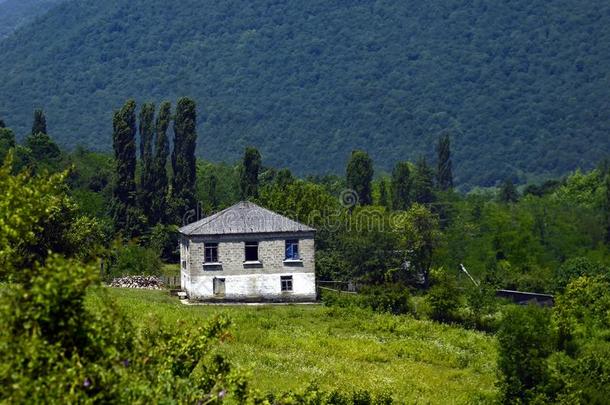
<point>401,186</point>
<point>359,176</point>
<point>423,182</point>
<point>575,268</point>
<point>248,173</point>
<point>443,298</point>
<point>183,157</point>
<point>158,202</point>
<point>164,239</point>
<point>42,148</point>
<point>7,141</point>
<point>509,80</point>
<point>526,340</point>
<point>39,125</point>
<point>147,141</point>
<point>444,173</point>
<point>127,218</point>
<point>421,238</point>
<point>508,193</point>
<point>16,13</point>
<point>133,259</point>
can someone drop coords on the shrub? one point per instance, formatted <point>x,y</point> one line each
<point>391,298</point>
<point>394,299</point>
<point>443,298</point>
<point>133,259</point>
<point>526,340</point>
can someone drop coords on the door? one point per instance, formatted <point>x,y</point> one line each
<point>219,287</point>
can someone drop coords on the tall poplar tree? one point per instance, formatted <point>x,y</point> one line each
<point>158,201</point>
<point>401,186</point>
<point>359,175</point>
<point>147,138</point>
<point>248,174</point>
<point>39,126</point>
<point>183,156</point>
<point>384,199</point>
<point>423,184</point>
<point>508,192</point>
<point>607,209</point>
<point>124,191</point>
<point>444,174</point>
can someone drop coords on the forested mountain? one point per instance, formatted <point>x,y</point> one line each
<point>14,13</point>
<point>521,85</point>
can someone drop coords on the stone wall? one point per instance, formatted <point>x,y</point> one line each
<point>245,281</point>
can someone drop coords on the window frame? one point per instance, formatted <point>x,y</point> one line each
<point>213,247</point>
<point>286,284</point>
<point>251,244</point>
<point>295,256</point>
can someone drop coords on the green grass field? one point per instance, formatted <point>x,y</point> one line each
<point>288,347</point>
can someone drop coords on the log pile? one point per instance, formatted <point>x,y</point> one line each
<point>147,282</point>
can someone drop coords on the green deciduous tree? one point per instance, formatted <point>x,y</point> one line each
<point>444,174</point>
<point>401,186</point>
<point>359,176</point>
<point>249,171</point>
<point>183,157</point>
<point>421,238</point>
<point>526,340</point>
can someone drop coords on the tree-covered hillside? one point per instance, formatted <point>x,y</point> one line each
<point>14,13</point>
<point>521,85</point>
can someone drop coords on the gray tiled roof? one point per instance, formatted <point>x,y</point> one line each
<point>243,218</point>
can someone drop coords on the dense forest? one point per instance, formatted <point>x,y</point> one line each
<point>15,13</point>
<point>519,86</point>
<point>412,243</point>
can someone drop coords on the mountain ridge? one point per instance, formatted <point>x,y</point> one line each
<point>519,85</point>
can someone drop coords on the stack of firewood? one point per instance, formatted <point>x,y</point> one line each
<point>148,282</point>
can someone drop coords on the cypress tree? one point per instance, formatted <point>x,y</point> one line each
<point>183,156</point>
<point>444,175</point>
<point>2,124</point>
<point>384,200</point>
<point>248,175</point>
<point>508,192</point>
<point>124,144</point>
<point>147,135</point>
<point>359,175</point>
<point>39,126</point>
<point>607,209</point>
<point>423,185</point>
<point>158,201</point>
<point>401,186</point>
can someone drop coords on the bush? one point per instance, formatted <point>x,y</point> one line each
<point>133,259</point>
<point>443,298</point>
<point>394,299</point>
<point>526,340</point>
<point>482,305</point>
<point>391,298</point>
<point>165,239</point>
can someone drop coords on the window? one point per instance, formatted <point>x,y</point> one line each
<point>251,251</point>
<point>286,283</point>
<point>184,264</point>
<point>292,249</point>
<point>211,253</point>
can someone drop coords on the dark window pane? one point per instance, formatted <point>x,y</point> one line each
<point>251,251</point>
<point>292,249</point>
<point>211,253</point>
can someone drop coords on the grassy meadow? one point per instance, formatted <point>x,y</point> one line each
<point>288,347</point>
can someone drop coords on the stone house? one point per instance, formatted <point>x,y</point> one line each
<point>248,253</point>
